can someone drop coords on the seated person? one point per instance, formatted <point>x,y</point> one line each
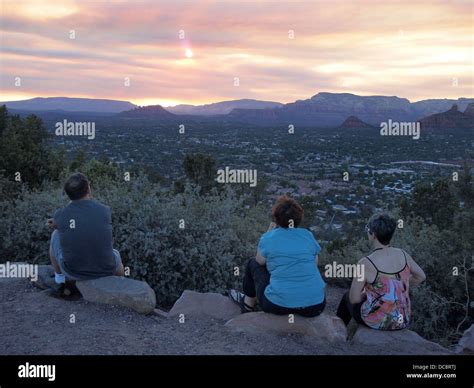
<point>381,299</point>
<point>81,244</point>
<point>284,277</point>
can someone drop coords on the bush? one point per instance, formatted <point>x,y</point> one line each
<point>23,228</point>
<point>190,240</point>
<point>441,304</point>
<point>181,241</point>
<point>217,235</point>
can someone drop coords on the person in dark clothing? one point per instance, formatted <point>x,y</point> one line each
<point>81,243</point>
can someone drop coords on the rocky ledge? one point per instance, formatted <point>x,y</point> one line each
<point>196,306</point>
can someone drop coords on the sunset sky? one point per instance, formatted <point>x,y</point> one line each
<point>279,51</point>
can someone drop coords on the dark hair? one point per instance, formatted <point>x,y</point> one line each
<point>285,210</point>
<point>77,186</point>
<point>382,226</point>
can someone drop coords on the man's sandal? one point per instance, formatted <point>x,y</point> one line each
<point>66,291</point>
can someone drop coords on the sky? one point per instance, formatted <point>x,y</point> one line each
<point>196,52</point>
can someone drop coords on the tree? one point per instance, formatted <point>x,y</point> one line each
<point>435,203</point>
<point>258,192</point>
<point>309,205</point>
<point>3,118</point>
<point>79,161</point>
<point>152,174</point>
<point>201,170</point>
<point>465,186</point>
<point>24,150</point>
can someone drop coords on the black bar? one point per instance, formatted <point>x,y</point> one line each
<point>314,371</point>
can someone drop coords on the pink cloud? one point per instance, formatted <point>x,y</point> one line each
<point>411,49</point>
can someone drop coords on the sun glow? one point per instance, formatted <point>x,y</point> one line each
<point>155,101</point>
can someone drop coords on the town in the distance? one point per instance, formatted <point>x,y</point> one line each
<point>329,151</point>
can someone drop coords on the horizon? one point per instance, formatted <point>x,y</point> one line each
<point>237,99</point>
<point>113,51</point>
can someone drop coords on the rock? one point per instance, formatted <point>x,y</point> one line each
<point>466,343</point>
<point>353,122</point>
<point>121,291</point>
<point>448,120</point>
<point>352,329</point>
<point>210,304</point>
<point>469,109</point>
<point>396,341</point>
<point>334,295</point>
<point>325,326</point>
<point>45,277</point>
<point>160,313</point>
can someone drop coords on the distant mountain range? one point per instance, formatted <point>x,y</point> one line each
<point>331,109</point>
<point>221,108</point>
<point>323,110</point>
<point>115,106</point>
<point>70,105</point>
<point>451,119</point>
<point>442,122</point>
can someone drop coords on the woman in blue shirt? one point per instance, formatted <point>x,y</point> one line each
<point>284,277</point>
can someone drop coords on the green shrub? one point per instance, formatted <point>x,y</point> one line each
<point>200,256</point>
<point>23,228</point>
<point>218,234</point>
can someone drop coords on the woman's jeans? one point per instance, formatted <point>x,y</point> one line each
<point>347,310</point>
<point>257,278</point>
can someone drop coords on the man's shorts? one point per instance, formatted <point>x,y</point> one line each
<point>58,254</point>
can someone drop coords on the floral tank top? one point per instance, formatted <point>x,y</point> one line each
<point>387,306</point>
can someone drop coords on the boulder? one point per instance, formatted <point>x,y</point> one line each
<point>210,304</point>
<point>160,313</point>
<point>325,326</point>
<point>45,277</point>
<point>121,291</point>
<point>396,341</point>
<point>466,343</point>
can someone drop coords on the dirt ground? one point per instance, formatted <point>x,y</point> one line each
<point>32,323</point>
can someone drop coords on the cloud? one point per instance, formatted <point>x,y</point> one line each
<point>280,51</point>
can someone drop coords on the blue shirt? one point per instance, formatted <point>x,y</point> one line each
<point>290,255</point>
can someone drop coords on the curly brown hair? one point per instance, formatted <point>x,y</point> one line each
<point>287,212</point>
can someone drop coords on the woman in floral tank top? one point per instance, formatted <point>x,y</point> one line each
<point>380,300</point>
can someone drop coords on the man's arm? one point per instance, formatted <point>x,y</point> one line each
<point>51,224</point>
